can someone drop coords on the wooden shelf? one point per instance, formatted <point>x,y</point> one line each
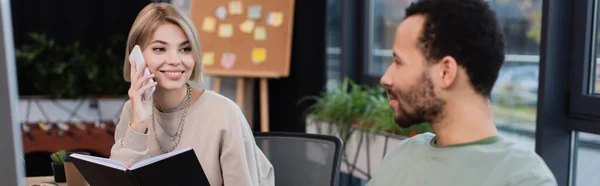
<point>96,140</point>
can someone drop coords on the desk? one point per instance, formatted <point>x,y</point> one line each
<point>42,179</point>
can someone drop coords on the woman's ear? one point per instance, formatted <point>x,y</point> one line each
<point>449,71</point>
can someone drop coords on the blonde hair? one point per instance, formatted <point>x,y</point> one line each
<point>146,23</point>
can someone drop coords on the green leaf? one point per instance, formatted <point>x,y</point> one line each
<point>58,157</point>
<point>354,105</point>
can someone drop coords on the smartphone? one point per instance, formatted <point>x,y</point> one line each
<point>136,55</point>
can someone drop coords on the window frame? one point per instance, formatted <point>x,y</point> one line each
<point>583,105</point>
<point>564,107</point>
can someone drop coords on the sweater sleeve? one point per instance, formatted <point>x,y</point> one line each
<point>130,145</point>
<point>242,162</point>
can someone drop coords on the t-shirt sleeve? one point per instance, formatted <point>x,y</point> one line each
<point>534,173</point>
<point>534,178</point>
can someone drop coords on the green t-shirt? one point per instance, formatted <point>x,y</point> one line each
<point>489,162</point>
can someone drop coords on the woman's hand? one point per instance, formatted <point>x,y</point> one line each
<point>141,107</point>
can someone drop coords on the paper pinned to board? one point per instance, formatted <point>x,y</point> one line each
<point>221,12</point>
<point>228,60</point>
<point>260,33</point>
<point>259,55</point>
<point>225,30</point>
<point>235,8</point>
<point>208,24</point>
<point>208,58</point>
<point>275,19</point>
<point>247,26</point>
<point>254,12</point>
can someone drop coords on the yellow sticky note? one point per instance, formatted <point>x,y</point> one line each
<point>259,55</point>
<point>225,30</point>
<point>209,23</point>
<point>208,58</point>
<point>275,19</point>
<point>235,7</point>
<point>260,33</point>
<point>247,26</point>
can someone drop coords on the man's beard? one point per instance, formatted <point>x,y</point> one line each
<point>426,106</point>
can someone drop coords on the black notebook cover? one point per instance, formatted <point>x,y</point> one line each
<point>181,169</point>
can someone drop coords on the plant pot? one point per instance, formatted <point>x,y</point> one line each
<point>59,173</point>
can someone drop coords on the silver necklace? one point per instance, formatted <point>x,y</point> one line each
<point>187,96</point>
<point>168,110</point>
<point>175,138</point>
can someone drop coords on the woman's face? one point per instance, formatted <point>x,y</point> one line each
<point>169,57</point>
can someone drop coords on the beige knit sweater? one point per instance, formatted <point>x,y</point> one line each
<point>215,128</point>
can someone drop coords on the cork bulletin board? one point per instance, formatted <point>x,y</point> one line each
<point>244,38</point>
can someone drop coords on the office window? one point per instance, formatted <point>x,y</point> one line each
<point>586,87</point>
<point>585,102</point>
<point>515,94</point>
<point>333,35</point>
<point>385,17</point>
<point>595,78</point>
<point>588,163</point>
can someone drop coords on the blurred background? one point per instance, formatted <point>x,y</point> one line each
<point>69,58</point>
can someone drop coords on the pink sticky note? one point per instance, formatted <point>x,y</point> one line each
<point>228,60</point>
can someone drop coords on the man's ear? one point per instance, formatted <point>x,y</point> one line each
<point>449,71</point>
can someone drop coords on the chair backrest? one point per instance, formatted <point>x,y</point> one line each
<point>302,159</point>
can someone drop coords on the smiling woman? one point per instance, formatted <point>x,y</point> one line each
<point>178,115</point>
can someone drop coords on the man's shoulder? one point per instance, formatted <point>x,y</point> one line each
<point>420,140</point>
<point>519,154</point>
<point>525,166</point>
<point>415,142</point>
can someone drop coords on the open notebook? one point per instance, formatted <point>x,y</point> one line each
<point>180,167</point>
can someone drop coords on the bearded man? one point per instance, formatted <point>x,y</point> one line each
<point>447,54</point>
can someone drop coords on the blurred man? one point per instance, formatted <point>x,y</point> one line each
<point>447,55</point>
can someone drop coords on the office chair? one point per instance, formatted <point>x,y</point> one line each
<point>302,159</point>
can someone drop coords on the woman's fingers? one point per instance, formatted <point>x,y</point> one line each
<point>143,80</point>
<point>132,69</point>
<point>140,72</point>
<point>148,86</point>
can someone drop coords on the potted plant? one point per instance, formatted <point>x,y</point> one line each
<point>361,117</point>
<point>58,167</point>
<point>358,106</point>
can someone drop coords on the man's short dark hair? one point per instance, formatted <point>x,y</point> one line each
<point>466,30</point>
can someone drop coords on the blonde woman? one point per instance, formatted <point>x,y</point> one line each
<point>179,115</point>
